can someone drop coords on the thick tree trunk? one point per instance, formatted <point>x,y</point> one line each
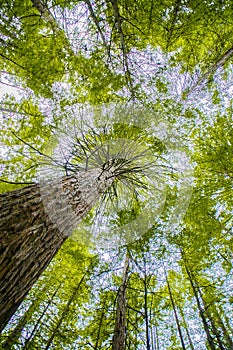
<point>34,223</point>
<point>118,342</point>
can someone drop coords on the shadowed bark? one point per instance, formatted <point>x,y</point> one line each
<point>34,222</point>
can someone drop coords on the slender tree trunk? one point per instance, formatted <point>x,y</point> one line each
<point>219,63</point>
<point>186,329</point>
<point>34,223</point>
<point>201,311</point>
<point>119,336</point>
<point>157,338</point>
<point>29,341</point>
<point>228,327</point>
<point>226,335</point>
<point>151,331</point>
<point>44,12</point>
<point>146,314</point>
<point>212,322</point>
<point>100,324</point>
<point>175,313</point>
<point>65,312</point>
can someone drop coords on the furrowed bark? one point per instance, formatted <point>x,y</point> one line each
<point>34,223</point>
<point>118,342</point>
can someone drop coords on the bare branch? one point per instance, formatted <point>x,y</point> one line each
<point>205,77</point>
<point>118,19</point>
<point>12,61</point>
<point>16,183</point>
<point>92,13</point>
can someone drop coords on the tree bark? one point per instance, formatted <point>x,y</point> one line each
<point>186,328</point>
<point>100,325</point>
<point>226,334</point>
<point>34,222</point>
<point>118,342</point>
<point>214,327</point>
<point>146,312</point>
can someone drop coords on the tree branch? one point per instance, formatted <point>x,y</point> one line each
<point>17,183</point>
<point>205,77</point>
<point>123,47</point>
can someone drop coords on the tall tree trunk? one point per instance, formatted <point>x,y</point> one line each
<point>65,312</point>
<point>34,223</point>
<point>100,325</point>
<point>157,338</point>
<point>186,328</point>
<point>29,340</point>
<point>226,334</point>
<point>119,336</point>
<point>146,312</point>
<point>201,311</point>
<point>212,322</point>
<point>175,312</point>
<point>153,346</point>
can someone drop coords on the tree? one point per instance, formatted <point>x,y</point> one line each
<point>49,212</point>
<point>16,332</point>
<point>175,313</point>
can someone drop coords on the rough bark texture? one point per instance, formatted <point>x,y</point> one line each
<point>34,223</point>
<point>118,342</point>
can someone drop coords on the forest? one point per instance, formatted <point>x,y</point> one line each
<point>116,174</point>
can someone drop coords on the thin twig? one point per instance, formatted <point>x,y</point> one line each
<point>17,183</point>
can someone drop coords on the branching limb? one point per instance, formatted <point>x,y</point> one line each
<point>17,183</point>
<point>118,19</point>
<point>205,77</point>
<point>92,13</point>
<point>12,61</point>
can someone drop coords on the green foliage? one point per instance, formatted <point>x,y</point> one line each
<point>215,171</point>
<point>23,138</point>
<point>31,49</point>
